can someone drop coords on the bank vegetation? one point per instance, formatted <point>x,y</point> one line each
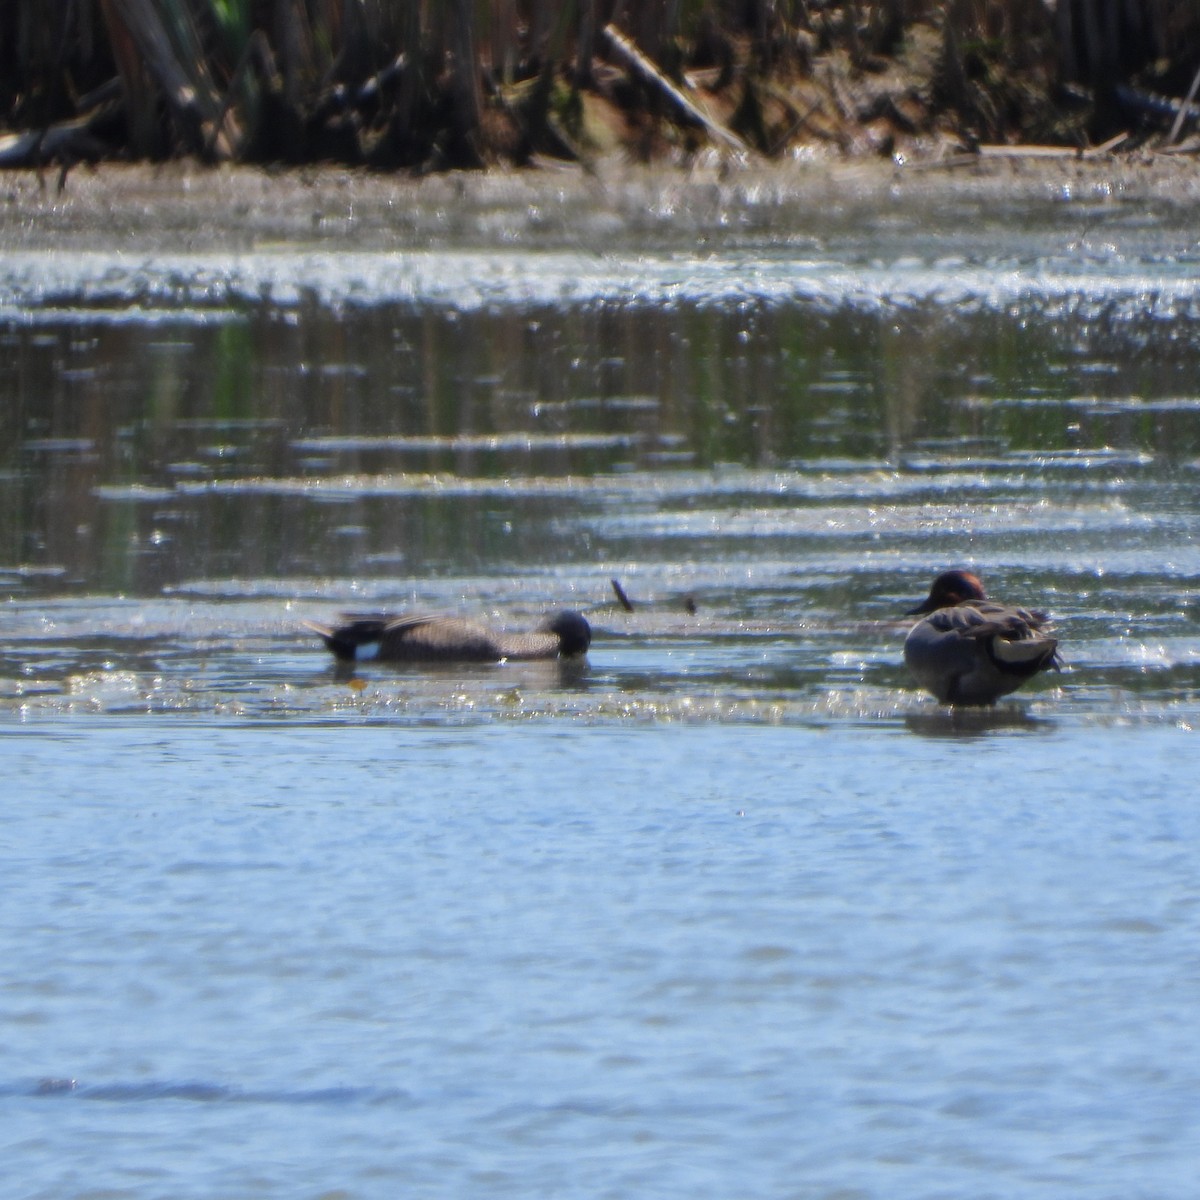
<point>424,85</point>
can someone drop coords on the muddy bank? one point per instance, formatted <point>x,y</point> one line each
<point>186,207</point>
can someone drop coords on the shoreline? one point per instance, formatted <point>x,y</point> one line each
<point>184,206</point>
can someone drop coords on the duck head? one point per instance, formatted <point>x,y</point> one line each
<point>573,632</point>
<point>950,588</point>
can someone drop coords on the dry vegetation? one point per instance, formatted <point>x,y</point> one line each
<point>430,84</point>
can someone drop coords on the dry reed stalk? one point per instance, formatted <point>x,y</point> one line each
<point>585,50</point>
<point>410,80</point>
<point>468,102</point>
<point>143,53</point>
<point>505,44</point>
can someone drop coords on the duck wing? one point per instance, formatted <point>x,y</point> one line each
<point>1015,639</point>
<point>438,639</point>
<point>408,639</point>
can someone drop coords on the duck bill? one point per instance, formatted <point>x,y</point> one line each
<point>926,606</point>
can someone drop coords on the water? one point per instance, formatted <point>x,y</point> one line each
<point>729,910</point>
<point>596,960</point>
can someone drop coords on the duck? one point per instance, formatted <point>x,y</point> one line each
<point>969,650</point>
<point>451,639</point>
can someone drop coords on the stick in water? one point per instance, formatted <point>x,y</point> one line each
<point>626,603</point>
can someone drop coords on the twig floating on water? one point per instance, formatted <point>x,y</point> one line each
<point>626,603</point>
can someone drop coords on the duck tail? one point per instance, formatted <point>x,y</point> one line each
<point>1026,655</point>
<point>344,641</point>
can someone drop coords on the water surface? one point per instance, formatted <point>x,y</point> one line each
<point>729,908</point>
<point>598,961</point>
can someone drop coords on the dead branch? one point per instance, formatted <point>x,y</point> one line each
<point>633,58</point>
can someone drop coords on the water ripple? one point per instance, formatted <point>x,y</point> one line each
<point>90,284</point>
<point>198,1092</point>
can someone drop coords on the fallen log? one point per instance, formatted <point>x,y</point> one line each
<point>1023,151</point>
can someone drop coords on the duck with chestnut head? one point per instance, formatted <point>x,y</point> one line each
<point>970,650</point>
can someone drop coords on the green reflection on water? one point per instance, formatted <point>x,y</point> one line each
<point>233,387</point>
<point>115,437</point>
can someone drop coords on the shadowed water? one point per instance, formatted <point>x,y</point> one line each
<point>727,909</point>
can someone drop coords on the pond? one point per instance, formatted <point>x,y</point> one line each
<point>731,907</point>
